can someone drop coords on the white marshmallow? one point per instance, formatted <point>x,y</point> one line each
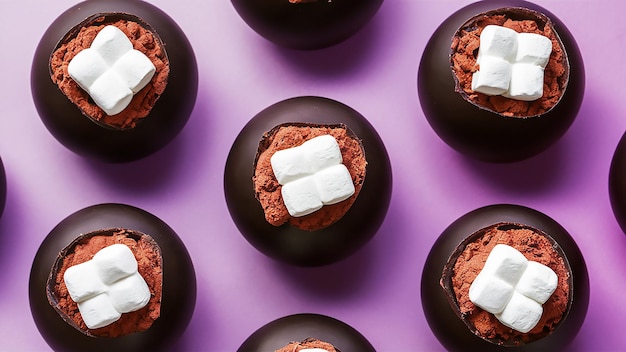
<point>513,288</point>
<point>521,313</point>
<point>526,82</point>
<point>111,71</point>
<point>334,184</point>
<point>538,282</point>
<point>511,64</point>
<point>313,350</point>
<point>497,41</point>
<point>312,175</point>
<point>494,76</point>
<point>533,49</point>
<point>111,43</point>
<point>114,263</point>
<point>490,294</point>
<point>107,286</point>
<point>301,197</point>
<point>98,312</point>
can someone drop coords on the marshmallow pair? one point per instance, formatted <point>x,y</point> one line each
<point>111,71</point>
<point>312,175</point>
<point>107,286</point>
<point>513,288</point>
<point>511,64</point>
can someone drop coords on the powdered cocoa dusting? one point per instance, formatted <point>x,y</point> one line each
<point>308,343</point>
<point>143,40</point>
<point>149,262</point>
<point>535,247</point>
<point>268,190</point>
<point>465,46</point>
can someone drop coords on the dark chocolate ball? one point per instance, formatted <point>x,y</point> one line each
<point>179,281</point>
<point>481,133</point>
<point>306,24</point>
<point>451,331</point>
<point>3,187</point>
<point>82,135</point>
<point>299,327</point>
<point>617,183</point>
<point>290,244</point>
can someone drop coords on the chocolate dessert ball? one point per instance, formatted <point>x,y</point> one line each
<point>170,277</point>
<point>3,188</point>
<point>306,327</point>
<point>289,243</point>
<point>458,256</point>
<point>617,183</point>
<point>153,102</point>
<point>306,24</point>
<point>496,128</point>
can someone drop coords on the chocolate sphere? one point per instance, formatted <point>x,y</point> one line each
<point>306,24</point>
<point>481,133</point>
<point>287,243</point>
<point>3,188</point>
<point>617,183</point>
<point>448,327</point>
<point>298,327</point>
<point>179,281</point>
<point>77,132</point>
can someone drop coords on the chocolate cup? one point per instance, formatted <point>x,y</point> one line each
<point>443,319</point>
<point>306,26</point>
<point>287,243</point>
<point>480,133</point>
<point>70,127</point>
<point>179,281</point>
<point>3,187</point>
<point>617,183</point>
<point>297,327</point>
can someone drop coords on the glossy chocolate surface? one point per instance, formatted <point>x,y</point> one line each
<point>617,183</point>
<point>312,24</point>
<point>79,133</point>
<point>451,331</point>
<point>287,243</point>
<point>281,332</point>
<point>480,133</point>
<point>179,281</point>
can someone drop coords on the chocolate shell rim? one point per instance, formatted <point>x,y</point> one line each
<point>104,18</point>
<point>447,273</point>
<point>514,12</point>
<point>58,263</point>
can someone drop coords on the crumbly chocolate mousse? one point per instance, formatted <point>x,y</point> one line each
<point>470,261</point>
<point>268,190</point>
<point>308,343</point>
<point>464,50</point>
<point>143,38</point>
<point>150,265</point>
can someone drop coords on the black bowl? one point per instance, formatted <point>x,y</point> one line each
<point>290,244</point>
<point>310,25</point>
<point>82,135</point>
<point>179,281</point>
<point>617,183</point>
<point>450,330</point>
<point>480,133</point>
<point>298,327</point>
<point>3,187</point>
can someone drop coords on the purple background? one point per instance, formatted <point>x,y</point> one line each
<point>377,290</point>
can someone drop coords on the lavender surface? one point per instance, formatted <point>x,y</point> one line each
<point>376,291</point>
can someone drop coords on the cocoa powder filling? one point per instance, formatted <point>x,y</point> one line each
<point>465,46</point>
<point>268,190</point>
<point>308,343</point>
<point>143,101</point>
<point>149,266</point>
<point>535,247</point>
